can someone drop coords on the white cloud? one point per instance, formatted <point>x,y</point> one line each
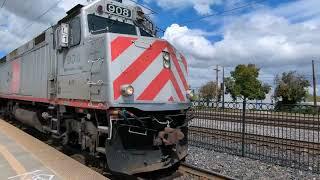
<point>299,10</point>
<point>19,20</point>
<point>202,7</point>
<point>189,41</point>
<point>264,37</point>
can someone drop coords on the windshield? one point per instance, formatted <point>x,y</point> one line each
<point>99,25</point>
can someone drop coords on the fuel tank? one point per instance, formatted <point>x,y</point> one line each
<point>28,118</point>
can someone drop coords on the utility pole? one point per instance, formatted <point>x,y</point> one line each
<point>222,87</point>
<point>217,81</point>
<point>314,83</point>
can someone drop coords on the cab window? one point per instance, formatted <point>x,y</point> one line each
<point>75,31</point>
<point>98,25</point>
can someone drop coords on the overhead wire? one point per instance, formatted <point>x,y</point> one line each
<point>43,14</point>
<point>154,12</point>
<point>246,5</point>
<point>249,4</point>
<point>158,28</point>
<point>4,2</point>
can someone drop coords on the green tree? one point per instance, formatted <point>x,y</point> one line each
<point>244,84</point>
<point>291,87</point>
<point>209,91</point>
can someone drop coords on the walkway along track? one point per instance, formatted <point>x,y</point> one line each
<point>196,172</point>
<point>274,142</point>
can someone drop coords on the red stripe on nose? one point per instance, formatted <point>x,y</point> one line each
<point>177,65</point>
<point>184,63</point>
<point>155,86</point>
<point>176,86</point>
<point>138,66</point>
<point>119,45</point>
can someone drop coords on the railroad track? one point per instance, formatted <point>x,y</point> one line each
<point>198,173</point>
<point>262,119</point>
<point>262,114</point>
<point>260,140</point>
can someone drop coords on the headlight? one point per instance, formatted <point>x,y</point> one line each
<point>190,94</point>
<point>127,90</point>
<point>166,60</point>
<point>166,56</point>
<point>166,64</point>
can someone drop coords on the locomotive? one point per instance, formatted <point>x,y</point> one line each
<point>101,80</point>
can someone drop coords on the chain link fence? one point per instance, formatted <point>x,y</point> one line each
<point>287,135</point>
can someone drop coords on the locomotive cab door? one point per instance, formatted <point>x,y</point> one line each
<point>72,74</point>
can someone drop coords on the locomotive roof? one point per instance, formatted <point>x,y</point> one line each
<point>71,13</point>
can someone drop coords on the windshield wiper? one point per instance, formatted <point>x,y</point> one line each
<point>99,30</point>
<point>102,30</point>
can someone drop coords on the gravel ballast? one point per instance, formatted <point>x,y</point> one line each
<point>283,151</point>
<point>243,168</point>
<point>263,130</point>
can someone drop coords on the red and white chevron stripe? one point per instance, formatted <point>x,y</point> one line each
<point>139,62</point>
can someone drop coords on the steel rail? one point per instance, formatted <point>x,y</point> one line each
<point>268,117</point>
<point>310,147</point>
<point>264,121</point>
<point>202,173</point>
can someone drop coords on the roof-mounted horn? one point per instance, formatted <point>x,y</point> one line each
<point>140,14</point>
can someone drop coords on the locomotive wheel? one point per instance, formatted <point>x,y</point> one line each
<point>80,158</point>
<point>8,113</point>
<point>73,138</point>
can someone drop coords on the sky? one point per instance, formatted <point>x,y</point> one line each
<point>276,35</point>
